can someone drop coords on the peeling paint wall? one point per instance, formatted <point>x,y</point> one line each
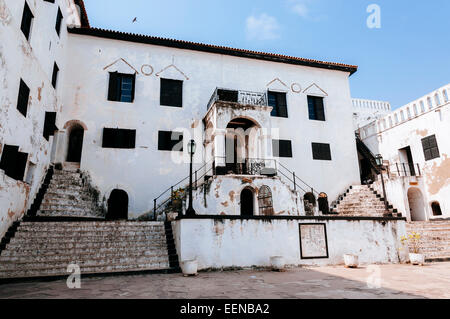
<point>249,242</point>
<point>33,62</point>
<point>434,182</point>
<point>144,172</point>
<point>222,196</point>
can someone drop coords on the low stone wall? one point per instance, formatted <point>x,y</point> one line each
<point>227,241</point>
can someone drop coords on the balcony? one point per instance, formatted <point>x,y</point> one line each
<point>248,166</point>
<point>239,97</point>
<point>404,170</point>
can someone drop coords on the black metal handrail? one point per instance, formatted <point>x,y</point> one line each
<point>367,153</point>
<point>239,96</point>
<point>405,169</point>
<point>296,181</point>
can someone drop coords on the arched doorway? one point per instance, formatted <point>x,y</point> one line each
<point>117,205</point>
<point>240,145</point>
<point>75,146</point>
<point>247,202</point>
<point>436,207</point>
<point>416,205</point>
<point>309,201</point>
<point>323,203</point>
<point>265,202</point>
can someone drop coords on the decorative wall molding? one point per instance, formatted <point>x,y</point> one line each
<point>296,88</point>
<point>123,60</point>
<point>147,69</point>
<point>277,80</point>
<point>314,89</point>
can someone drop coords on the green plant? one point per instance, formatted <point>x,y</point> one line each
<point>178,194</point>
<point>413,241</point>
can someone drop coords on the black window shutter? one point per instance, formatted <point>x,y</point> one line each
<point>55,75</point>
<point>24,96</point>
<point>21,163</point>
<point>133,86</point>
<point>320,112</point>
<point>49,124</point>
<point>113,93</point>
<point>311,108</point>
<point>59,18</point>
<point>27,17</point>
<point>171,93</point>
<point>8,161</point>
<point>321,151</point>
<point>107,137</point>
<point>132,139</point>
<point>282,105</point>
<point>430,148</point>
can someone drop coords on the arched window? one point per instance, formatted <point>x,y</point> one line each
<point>323,203</point>
<point>402,115</point>
<point>117,205</point>
<point>408,112</point>
<point>309,201</point>
<point>265,202</point>
<point>445,94</point>
<point>415,110</point>
<point>436,207</point>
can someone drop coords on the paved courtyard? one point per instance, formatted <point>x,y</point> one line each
<point>397,281</point>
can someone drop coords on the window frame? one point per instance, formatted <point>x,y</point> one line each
<point>115,87</point>
<point>13,162</point>
<point>55,74</point>
<point>59,20</point>
<point>314,116</point>
<point>433,148</point>
<point>25,25</point>
<point>284,151</point>
<point>22,102</point>
<point>118,141</point>
<point>166,145</point>
<point>279,109</point>
<point>317,152</point>
<point>164,100</point>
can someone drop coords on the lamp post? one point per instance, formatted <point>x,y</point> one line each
<point>191,149</point>
<point>379,161</point>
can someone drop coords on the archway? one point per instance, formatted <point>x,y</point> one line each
<point>436,207</point>
<point>265,202</point>
<point>323,203</point>
<point>75,147</point>
<point>117,205</point>
<point>241,144</point>
<point>309,201</point>
<point>247,202</point>
<point>416,205</point>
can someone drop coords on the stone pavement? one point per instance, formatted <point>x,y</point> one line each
<point>397,281</point>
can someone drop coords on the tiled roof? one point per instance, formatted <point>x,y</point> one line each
<point>138,38</point>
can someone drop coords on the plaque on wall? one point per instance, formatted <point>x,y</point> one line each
<point>313,241</point>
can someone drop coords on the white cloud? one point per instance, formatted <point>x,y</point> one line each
<point>262,27</point>
<point>301,9</point>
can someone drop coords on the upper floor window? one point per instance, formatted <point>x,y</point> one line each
<point>13,162</point>
<point>27,19</point>
<point>282,148</point>
<point>24,96</point>
<point>315,108</point>
<point>430,147</point>
<point>119,138</point>
<point>321,151</point>
<point>171,93</point>
<point>55,75</point>
<point>59,19</point>
<point>49,124</point>
<point>277,100</point>
<point>170,141</point>
<point>121,87</point>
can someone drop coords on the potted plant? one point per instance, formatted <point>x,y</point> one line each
<point>177,199</point>
<point>413,242</point>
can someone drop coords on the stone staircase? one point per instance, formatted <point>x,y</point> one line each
<point>363,201</point>
<point>69,194</point>
<point>43,249</point>
<point>435,238</point>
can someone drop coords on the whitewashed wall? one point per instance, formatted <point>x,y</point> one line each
<point>219,243</point>
<point>144,172</point>
<point>33,62</point>
<point>434,183</point>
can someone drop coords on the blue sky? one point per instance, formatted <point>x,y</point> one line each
<point>405,59</point>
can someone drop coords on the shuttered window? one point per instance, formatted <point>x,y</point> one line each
<point>59,19</point>
<point>24,96</point>
<point>119,138</point>
<point>430,147</point>
<point>321,151</point>
<point>49,124</point>
<point>170,141</point>
<point>282,148</point>
<point>315,108</point>
<point>277,100</point>
<point>27,18</point>
<point>121,87</point>
<point>13,162</point>
<point>171,93</point>
<point>55,75</point>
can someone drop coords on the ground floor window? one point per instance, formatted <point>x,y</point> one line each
<point>436,207</point>
<point>265,202</point>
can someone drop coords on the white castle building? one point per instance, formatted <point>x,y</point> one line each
<point>414,142</point>
<point>97,125</point>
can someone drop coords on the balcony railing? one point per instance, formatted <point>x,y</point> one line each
<point>249,166</point>
<point>238,96</point>
<point>405,169</point>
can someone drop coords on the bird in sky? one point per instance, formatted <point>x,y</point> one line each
<point>134,20</point>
